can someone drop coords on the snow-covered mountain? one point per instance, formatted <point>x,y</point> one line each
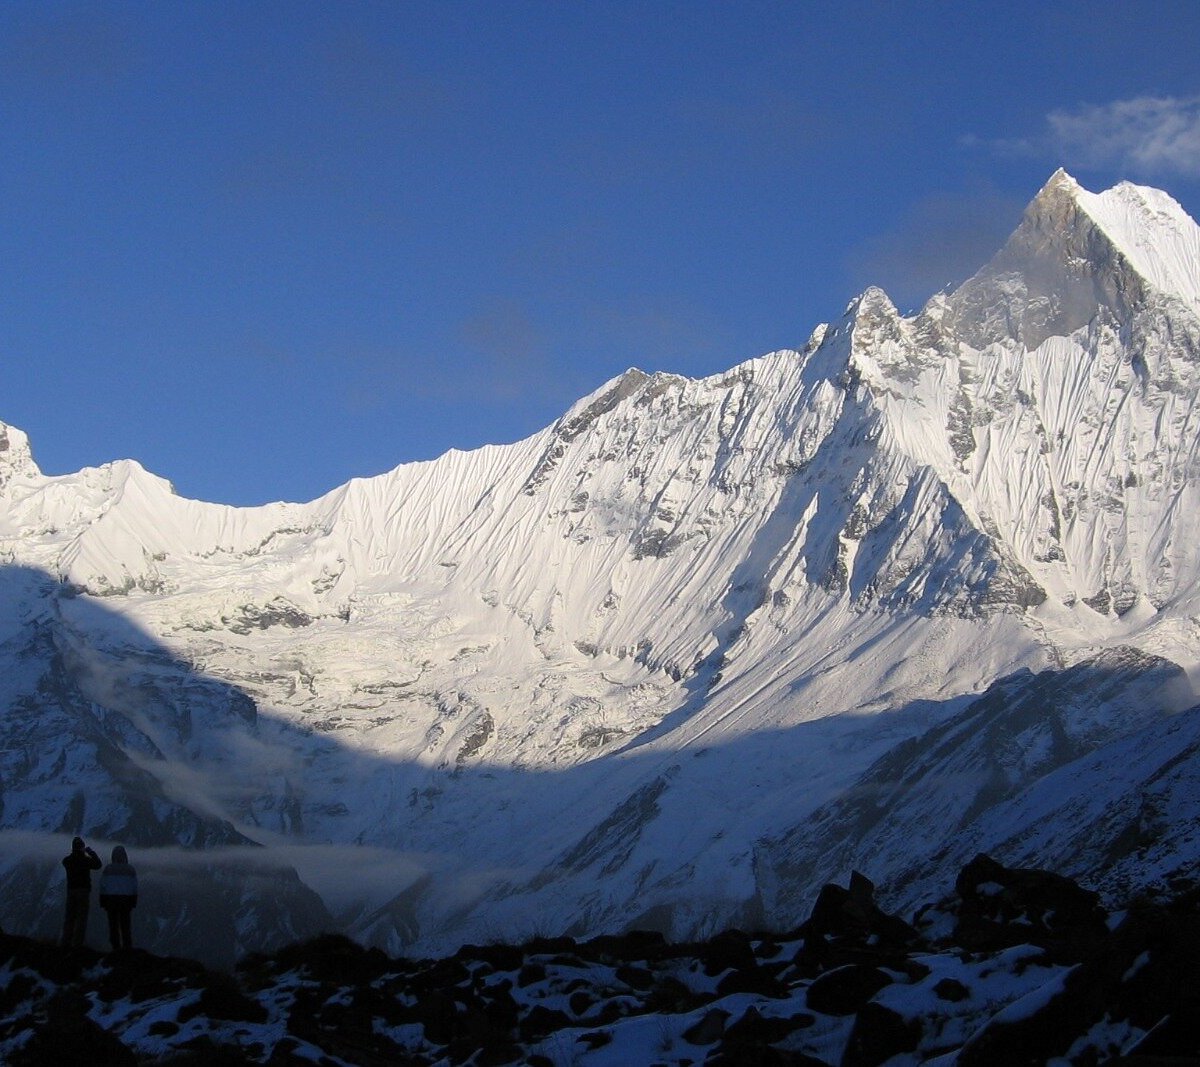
<point>923,586</point>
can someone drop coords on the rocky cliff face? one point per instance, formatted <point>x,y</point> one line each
<point>642,667</point>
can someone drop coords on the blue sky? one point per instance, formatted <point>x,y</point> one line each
<point>264,248</point>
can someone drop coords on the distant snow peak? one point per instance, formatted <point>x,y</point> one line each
<point>1154,233</point>
<point>1078,256</point>
<point>16,458</point>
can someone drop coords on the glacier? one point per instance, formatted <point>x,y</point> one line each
<point>924,585</point>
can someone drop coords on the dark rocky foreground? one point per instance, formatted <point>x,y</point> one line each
<point>1017,967</point>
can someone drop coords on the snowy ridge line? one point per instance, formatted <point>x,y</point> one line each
<point>1153,231</point>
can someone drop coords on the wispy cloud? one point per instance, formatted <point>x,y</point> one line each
<point>1145,136</point>
<point>344,876</point>
<point>48,49</point>
<point>1149,134</point>
<point>653,333</point>
<point>941,241</point>
<point>508,345</point>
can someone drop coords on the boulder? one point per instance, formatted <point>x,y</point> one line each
<point>1003,906</point>
<point>844,990</point>
<point>879,1034</point>
<point>851,915</point>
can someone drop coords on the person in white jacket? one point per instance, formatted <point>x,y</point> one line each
<point>118,897</point>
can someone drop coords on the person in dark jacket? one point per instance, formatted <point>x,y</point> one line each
<point>118,897</point>
<point>79,864</point>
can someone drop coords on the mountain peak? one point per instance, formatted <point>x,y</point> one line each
<point>1145,226</point>
<point>16,459</point>
<point>1076,253</point>
<point>1059,182</point>
<point>1055,202</point>
<point>1156,236</point>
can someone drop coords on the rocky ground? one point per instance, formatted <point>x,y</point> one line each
<point>1016,967</point>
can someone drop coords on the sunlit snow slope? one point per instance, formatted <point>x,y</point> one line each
<point>646,667</point>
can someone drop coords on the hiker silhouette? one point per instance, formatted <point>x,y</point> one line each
<point>79,864</point>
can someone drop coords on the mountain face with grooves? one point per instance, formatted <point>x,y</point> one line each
<point>924,586</point>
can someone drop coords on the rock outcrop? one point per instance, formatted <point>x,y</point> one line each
<point>1025,969</point>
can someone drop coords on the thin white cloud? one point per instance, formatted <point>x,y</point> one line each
<point>346,877</point>
<point>940,242</point>
<point>1145,136</point>
<point>1149,134</point>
